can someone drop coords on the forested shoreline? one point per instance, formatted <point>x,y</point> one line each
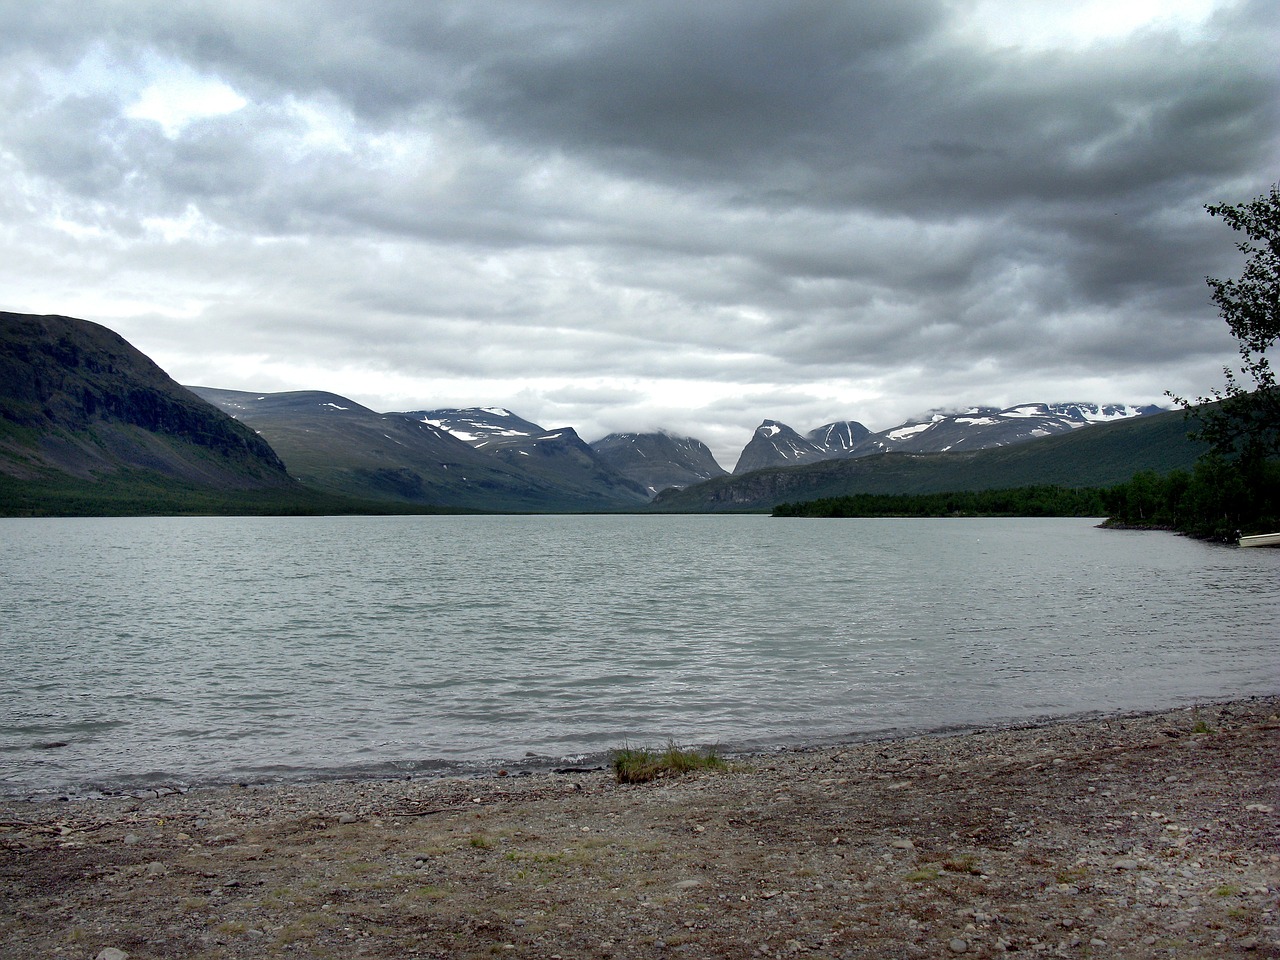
<point>1216,501</point>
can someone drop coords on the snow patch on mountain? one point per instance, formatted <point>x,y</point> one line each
<point>973,428</point>
<point>905,433</point>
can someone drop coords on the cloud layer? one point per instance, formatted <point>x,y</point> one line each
<point>626,216</point>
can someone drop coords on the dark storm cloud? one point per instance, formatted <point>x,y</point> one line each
<point>872,199</point>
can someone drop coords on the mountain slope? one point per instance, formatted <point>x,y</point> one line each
<point>80,407</point>
<point>559,457</point>
<point>839,438</point>
<point>657,461</point>
<point>334,444</point>
<point>775,444</point>
<point>1102,455</point>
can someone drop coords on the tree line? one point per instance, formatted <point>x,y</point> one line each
<point>1035,501</point>
<point>1215,501</point>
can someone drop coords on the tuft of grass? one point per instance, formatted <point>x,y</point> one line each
<point>641,765</point>
<point>963,864</point>
<point>428,891</point>
<point>1072,875</point>
<point>922,875</point>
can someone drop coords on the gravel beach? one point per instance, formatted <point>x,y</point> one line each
<point>1151,835</point>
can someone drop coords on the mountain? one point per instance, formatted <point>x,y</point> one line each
<point>976,428</point>
<point>1103,455</point>
<point>336,445</point>
<point>657,461</point>
<point>559,457</point>
<point>86,417</point>
<point>979,428</point>
<point>775,444</point>
<point>485,428</point>
<point>838,438</point>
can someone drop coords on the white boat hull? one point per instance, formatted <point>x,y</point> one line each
<point>1261,540</point>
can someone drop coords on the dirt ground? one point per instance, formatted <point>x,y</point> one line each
<point>1124,836</point>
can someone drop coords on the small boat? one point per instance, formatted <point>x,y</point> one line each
<point>1261,540</point>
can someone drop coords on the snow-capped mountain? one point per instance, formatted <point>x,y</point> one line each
<point>975,428</point>
<point>978,428</point>
<point>558,456</point>
<point>842,436</point>
<point>658,460</point>
<point>775,444</point>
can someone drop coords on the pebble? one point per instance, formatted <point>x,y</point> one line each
<point>347,818</point>
<point>902,844</point>
<point>957,945</point>
<point>1126,864</point>
<point>111,953</point>
<point>156,869</point>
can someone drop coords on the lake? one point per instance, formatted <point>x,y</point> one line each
<point>181,651</point>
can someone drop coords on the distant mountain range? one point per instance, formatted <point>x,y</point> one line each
<point>1103,455</point>
<point>647,462</point>
<point>86,415</point>
<point>775,444</point>
<point>338,446</point>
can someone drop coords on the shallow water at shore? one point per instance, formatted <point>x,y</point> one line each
<point>143,651</point>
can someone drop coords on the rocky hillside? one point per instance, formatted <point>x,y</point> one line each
<point>78,401</point>
<point>658,461</point>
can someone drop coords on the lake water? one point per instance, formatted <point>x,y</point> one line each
<point>174,651</point>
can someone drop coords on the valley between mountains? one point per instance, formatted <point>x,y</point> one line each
<point>88,424</point>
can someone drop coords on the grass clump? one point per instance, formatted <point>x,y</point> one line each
<point>963,864</point>
<point>922,875</point>
<point>641,765</point>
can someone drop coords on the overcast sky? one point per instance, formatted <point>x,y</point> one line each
<point>633,215</point>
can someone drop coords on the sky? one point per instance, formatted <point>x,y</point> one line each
<point>656,214</point>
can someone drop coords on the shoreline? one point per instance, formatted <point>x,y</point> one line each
<point>153,786</point>
<point>1149,834</point>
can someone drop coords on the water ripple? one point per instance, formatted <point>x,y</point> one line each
<point>214,649</point>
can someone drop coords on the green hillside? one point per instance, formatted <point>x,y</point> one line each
<point>89,426</point>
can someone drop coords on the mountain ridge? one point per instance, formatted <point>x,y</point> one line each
<point>79,402</point>
<point>342,447</point>
<point>559,455</point>
<point>659,459</point>
<point>77,399</point>
<point>972,428</point>
<point>1103,455</point>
